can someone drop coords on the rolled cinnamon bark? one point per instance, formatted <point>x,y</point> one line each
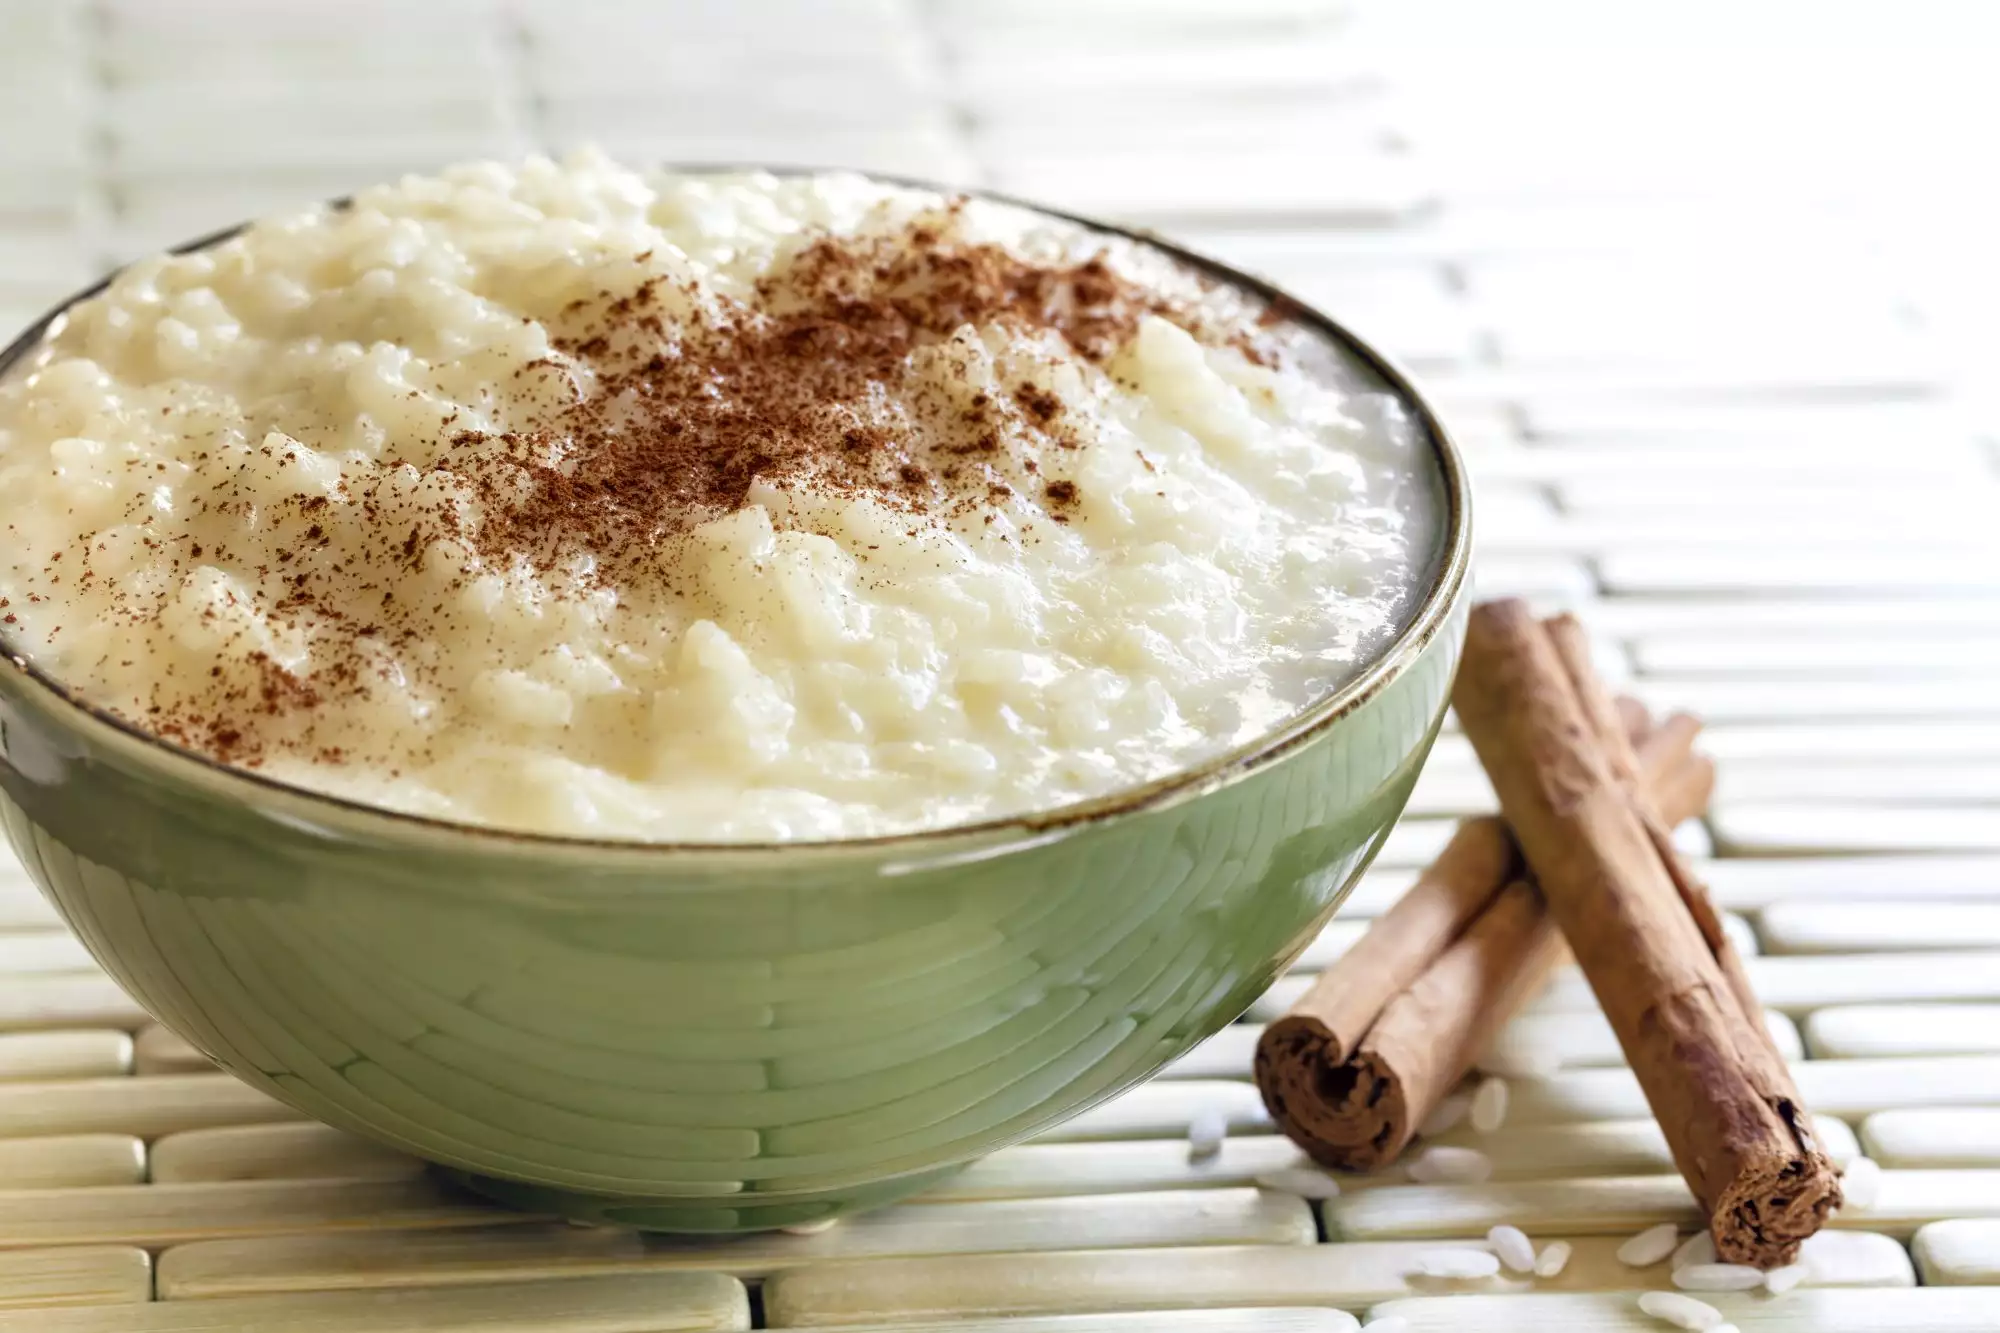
<point>1464,880</point>
<point>1358,1064</point>
<point>1645,936</point>
<point>1608,719</point>
<point>1358,1113</point>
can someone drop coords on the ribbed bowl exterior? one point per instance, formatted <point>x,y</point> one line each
<point>687,1039</point>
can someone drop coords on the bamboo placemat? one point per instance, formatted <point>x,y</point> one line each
<point>1709,335</point>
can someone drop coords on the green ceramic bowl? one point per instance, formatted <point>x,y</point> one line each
<point>718,1038</point>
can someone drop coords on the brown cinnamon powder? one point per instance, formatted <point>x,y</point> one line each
<point>670,422</point>
<point>685,419</point>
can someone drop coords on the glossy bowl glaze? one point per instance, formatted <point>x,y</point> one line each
<point>719,1038</point>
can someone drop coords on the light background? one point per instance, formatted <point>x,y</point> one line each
<point>1707,291</point>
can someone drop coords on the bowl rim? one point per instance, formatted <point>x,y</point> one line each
<point>1441,595</point>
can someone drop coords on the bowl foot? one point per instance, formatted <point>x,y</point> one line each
<point>722,1214</point>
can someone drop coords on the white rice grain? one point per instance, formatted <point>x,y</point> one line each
<point>1719,1277</point>
<point>1206,1131</point>
<point>1513,1247</point>
<point>1554,1259</point>
<point>1456,1265</point>
<point>1388,1323</point>
<point>1649,1246</point>
<point>1305,1181</point>
<point>1696,1249</point>
<point>812,1228</point>
<point>1445,1116</point>
<point>1445,1165</point>
<point>1781,1280</point>
<point>1860,1185</point>
<point>1680,1311</point>
<point>1489,1106</point>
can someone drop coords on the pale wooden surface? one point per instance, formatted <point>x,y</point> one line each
<point>1800,984</point>
<point>1964,1252</point>
<point>1841,928</point>
<point>75,1275</point>
<point>1265,1320</point>
<point>31,1056</point>
<point>636,1303</point>
<point>1618,1205</point>
<point>1934,1138</point>
<point>163,1214</point>
<point>1584,1039</point>
<point>70,1161</point>
<point>1721,393</point>
<point>1225,1055</point>
<point>1033,1170</point>
<point>1165,1109</point>
<point>1347,1275</point>
<point>1163,1219</point>
<point>147,1107</point>
<point>158,1051</point>
<point>1876,1031</point>
<point>302,1150</point>
<point>1533,1151</point>
<point>1922,1310</point>
<point>1843,1088</point>
<point>67,1000</point>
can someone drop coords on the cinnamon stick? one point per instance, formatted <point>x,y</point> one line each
<point>1645,935</point>
<point>1572,648</point>
<point>1358,1064</point>
<point>1349,995</point>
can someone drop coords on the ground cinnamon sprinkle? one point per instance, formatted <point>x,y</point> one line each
<point>678,401</point>
<point>686,416</point>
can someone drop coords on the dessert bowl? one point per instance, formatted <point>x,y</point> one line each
<point>722,1037</point>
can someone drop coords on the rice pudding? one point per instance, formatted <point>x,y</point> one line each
<point>581,500</point>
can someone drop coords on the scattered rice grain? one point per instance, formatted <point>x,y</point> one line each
<point>1489,1106</point>
<point>1649,1246</point>
<point>1513,1247</point>
<point>1781,1280</point>
<point>1443,1165</point>
<point>1696,1249</point>
<point>1860,1185</point>
<point>1457,1265</point>
<point>1718,1277</point>
<point>1554,1259</point>
<point>1206,1131</point>
<point>1681,1311</point>
<point>812,1228</point>
<point>1388,1323</point>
